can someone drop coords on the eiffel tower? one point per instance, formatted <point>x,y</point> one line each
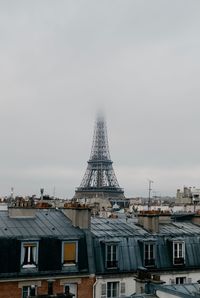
<point>99,179</point>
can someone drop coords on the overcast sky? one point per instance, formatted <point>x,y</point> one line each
<point>60,61</point>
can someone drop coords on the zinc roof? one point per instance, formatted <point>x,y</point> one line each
<point>103,227</point>
<point>46,223</point>
<point>183,290</point>
<point>129,238</point>
<point>179,228</point>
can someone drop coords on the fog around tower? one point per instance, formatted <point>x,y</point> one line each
<point>61,61</point>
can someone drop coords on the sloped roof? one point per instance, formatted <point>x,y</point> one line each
<point>179,228</point>
<point>46,223</point>
<point>183,290</point>
<point>103,227</point>
<point>129,237</point>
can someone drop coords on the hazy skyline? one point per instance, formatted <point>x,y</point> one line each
<point>62,60</point>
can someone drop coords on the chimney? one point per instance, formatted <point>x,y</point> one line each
<point>149,221</point>
<point>144,282</point>
<point>143,277</point>
<point>196,219</point>
<point>79,215</point>
<point>22,208</point>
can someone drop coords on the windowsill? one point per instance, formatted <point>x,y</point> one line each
<point>69,265</point>
<point>29,266</point>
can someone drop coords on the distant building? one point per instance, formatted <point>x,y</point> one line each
<point>189,195</point>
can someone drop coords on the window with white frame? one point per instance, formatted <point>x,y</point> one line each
<point>149,254</point>
<point>28,291</point>
<point>178,252</point>
<point>71,289</point>
<point>111,256</point>
<point>29,254</point>
<point>69,253</point>
<point>112,289</point>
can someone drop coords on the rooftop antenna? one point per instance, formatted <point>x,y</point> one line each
<point>150,189</point>
<point>54,198</point>
<point>41,193</point>
<point>12,193</point>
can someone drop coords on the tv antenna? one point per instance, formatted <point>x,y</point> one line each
<point>150,189</point>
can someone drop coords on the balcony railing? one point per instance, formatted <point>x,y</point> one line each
<point>149,262</point>
<point>112,264</point>
<point>179,261</point>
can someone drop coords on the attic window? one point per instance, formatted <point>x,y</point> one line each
<point>178,252</point>
<point>111,256</point>
<point>149,254</point>
<point>69,253</point>
<point>29,252</point>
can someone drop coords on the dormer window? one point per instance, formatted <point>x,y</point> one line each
<point>69,254</point>
<point>29,255</point>
<point>111,256</point>
<point>178,253</point>
<point>149,254</point>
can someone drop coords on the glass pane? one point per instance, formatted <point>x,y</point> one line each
<point>180,250</point>
<point>29,253</point>
<point>25,292</point>
<point>151,256</point>
<point>114,289</point>
<point>109,290</point>
<point>69,253</point>
<point>146,254</point>
<point>109,253</point>
<point>114,252</point>
<point>175,250</point>
<point>25,255</point>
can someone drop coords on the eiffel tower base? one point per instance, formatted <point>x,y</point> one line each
<point>98,193</point>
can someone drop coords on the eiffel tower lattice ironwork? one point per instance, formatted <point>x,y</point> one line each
<point>99,178</point>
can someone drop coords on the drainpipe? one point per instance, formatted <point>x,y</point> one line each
<point>94,287</point>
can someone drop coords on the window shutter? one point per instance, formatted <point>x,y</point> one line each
<point>82,254</point>
<point>123,289</point>
<point>103,290</point>
<point>172,281</point>
<point>69,252</point>
<point>49,254</point>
